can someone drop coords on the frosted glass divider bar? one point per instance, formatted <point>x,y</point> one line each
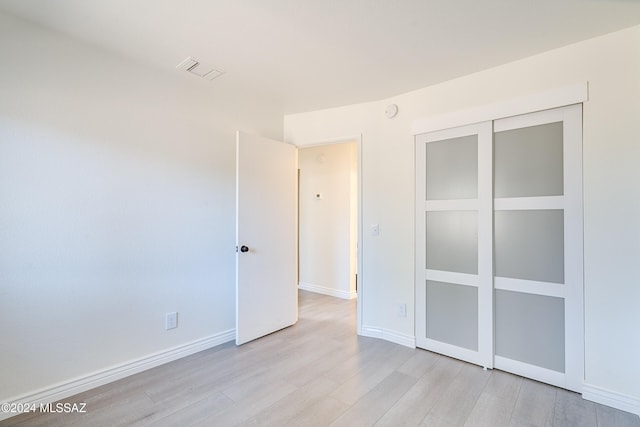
<point>452,277</point>
<point>451,205</point>
<point>528,203</point>
<point>529,287</point>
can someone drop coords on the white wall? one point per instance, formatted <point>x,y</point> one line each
<point>611,149</point>
<point>327,237</point>
<point>117,200</point>
<point>117,189</point>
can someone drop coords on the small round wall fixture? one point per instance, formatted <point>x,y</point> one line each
<point>391,111</point>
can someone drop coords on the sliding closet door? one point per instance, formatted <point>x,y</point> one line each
<point>538,246</point>
<point>499,245</point>
<point>453,224</point>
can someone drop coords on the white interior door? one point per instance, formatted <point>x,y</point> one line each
<point>266,224</point>
<point>453,229</point>
<point>538,246</point>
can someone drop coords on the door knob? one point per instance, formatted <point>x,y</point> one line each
<point>244,248</point>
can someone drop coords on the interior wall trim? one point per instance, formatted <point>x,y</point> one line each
<point>327,291</point>
<point>77,385</point>
<point>559,97</point>
<point>614,399</point>
<point>387,335</point>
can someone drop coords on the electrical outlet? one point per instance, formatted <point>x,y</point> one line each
<point>402,310</point>
<point>171,320</point>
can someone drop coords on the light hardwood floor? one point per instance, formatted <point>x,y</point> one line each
<point>319,373</point>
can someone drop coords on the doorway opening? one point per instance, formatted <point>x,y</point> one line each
<point>328,219</point>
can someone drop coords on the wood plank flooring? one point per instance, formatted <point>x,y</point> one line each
<point>320,373</point>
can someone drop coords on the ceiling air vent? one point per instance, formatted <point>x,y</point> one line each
<point>196,67</point>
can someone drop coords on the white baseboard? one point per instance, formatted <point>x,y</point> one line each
<point>79,384</point>
<point>327,291</point>
<point>405,340</point>
<point>611,398</point>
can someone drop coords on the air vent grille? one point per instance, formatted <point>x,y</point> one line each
<point>193,66</point>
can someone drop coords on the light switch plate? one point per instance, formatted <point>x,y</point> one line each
<point>171,320</point>
<point>402,310</point>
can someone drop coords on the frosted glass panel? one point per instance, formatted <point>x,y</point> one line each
<point>452,241</point>
<point>452,314</point>
<point>528,161</point>
<point>452,169</point>
<point>530,329</point>
<point>530,245</point>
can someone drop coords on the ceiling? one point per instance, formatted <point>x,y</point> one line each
<point>302,55</point>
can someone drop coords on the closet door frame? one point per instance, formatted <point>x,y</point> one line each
<point>572,96</point>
